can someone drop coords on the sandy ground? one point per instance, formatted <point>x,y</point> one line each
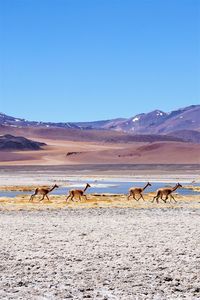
<point>105,248</point>
<point>62,152</point>
<point>103,253</point>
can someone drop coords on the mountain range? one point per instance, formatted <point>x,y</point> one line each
<point>183,124</point>
<point>155,122</point>
<point>154,137</point>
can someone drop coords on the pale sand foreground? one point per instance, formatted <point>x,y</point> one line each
<point>110,253</point>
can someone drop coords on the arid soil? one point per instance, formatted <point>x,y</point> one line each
<point>102,253</point>
<point>66,152</point>
<point>105,248</point>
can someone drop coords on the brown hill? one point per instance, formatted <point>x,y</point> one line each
<point>158,153</point>
<point>72,153</point>
<point>105,136</point>
<point>13,143</point>
<point>191,136</point>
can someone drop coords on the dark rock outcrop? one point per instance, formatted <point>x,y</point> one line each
<point>18,143</point>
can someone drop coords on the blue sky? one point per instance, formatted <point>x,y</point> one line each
<point>82,60</point>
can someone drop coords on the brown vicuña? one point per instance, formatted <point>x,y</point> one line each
<point>43,192</point>
<point>166,192</point>
<point>78,193</point>
<point>137,191</point>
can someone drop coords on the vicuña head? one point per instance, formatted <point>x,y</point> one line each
<point>179,185</point>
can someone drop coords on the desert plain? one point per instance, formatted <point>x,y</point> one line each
<point>105,247</point>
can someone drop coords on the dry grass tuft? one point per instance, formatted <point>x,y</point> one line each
<point>95,201</point>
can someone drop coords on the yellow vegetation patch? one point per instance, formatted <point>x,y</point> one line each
<point>19,188</point>
<point>95,201</point>
<point>193,188</point>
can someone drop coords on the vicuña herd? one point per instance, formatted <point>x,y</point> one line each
<point>135,192</point>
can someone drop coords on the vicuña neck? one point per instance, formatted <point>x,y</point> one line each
<point>85,188</point>
<point>52,188</point>
<point>175,187</point>
<point>145,186</point>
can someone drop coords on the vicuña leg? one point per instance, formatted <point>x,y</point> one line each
<point>128,197</point>
<point>164,200</point>
<point>42,198</point>
<point>31,198</point>
<point>172,197</point>
<point>156,197</point>
<point>141,196</point>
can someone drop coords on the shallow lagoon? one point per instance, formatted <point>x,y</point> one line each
<point>110,187</point>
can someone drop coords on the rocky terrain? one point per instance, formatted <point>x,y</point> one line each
<point>9,142</point>
<point>114,254</point>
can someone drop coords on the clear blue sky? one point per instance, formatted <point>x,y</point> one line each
<point>78,60</point>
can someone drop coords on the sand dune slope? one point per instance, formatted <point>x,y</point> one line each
<point>68,152</point>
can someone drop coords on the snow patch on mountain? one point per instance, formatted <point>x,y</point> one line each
<point>135,119</point>
<point>159,113</point>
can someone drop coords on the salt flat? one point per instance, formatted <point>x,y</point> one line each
<point>102,253</point>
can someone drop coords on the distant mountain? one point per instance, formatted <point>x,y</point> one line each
<point>17,122</point>
<point>155,122</point>
<point>141,124</point>
<point>159,122</point>
<point>10,142</point>
<point>104,124</point>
